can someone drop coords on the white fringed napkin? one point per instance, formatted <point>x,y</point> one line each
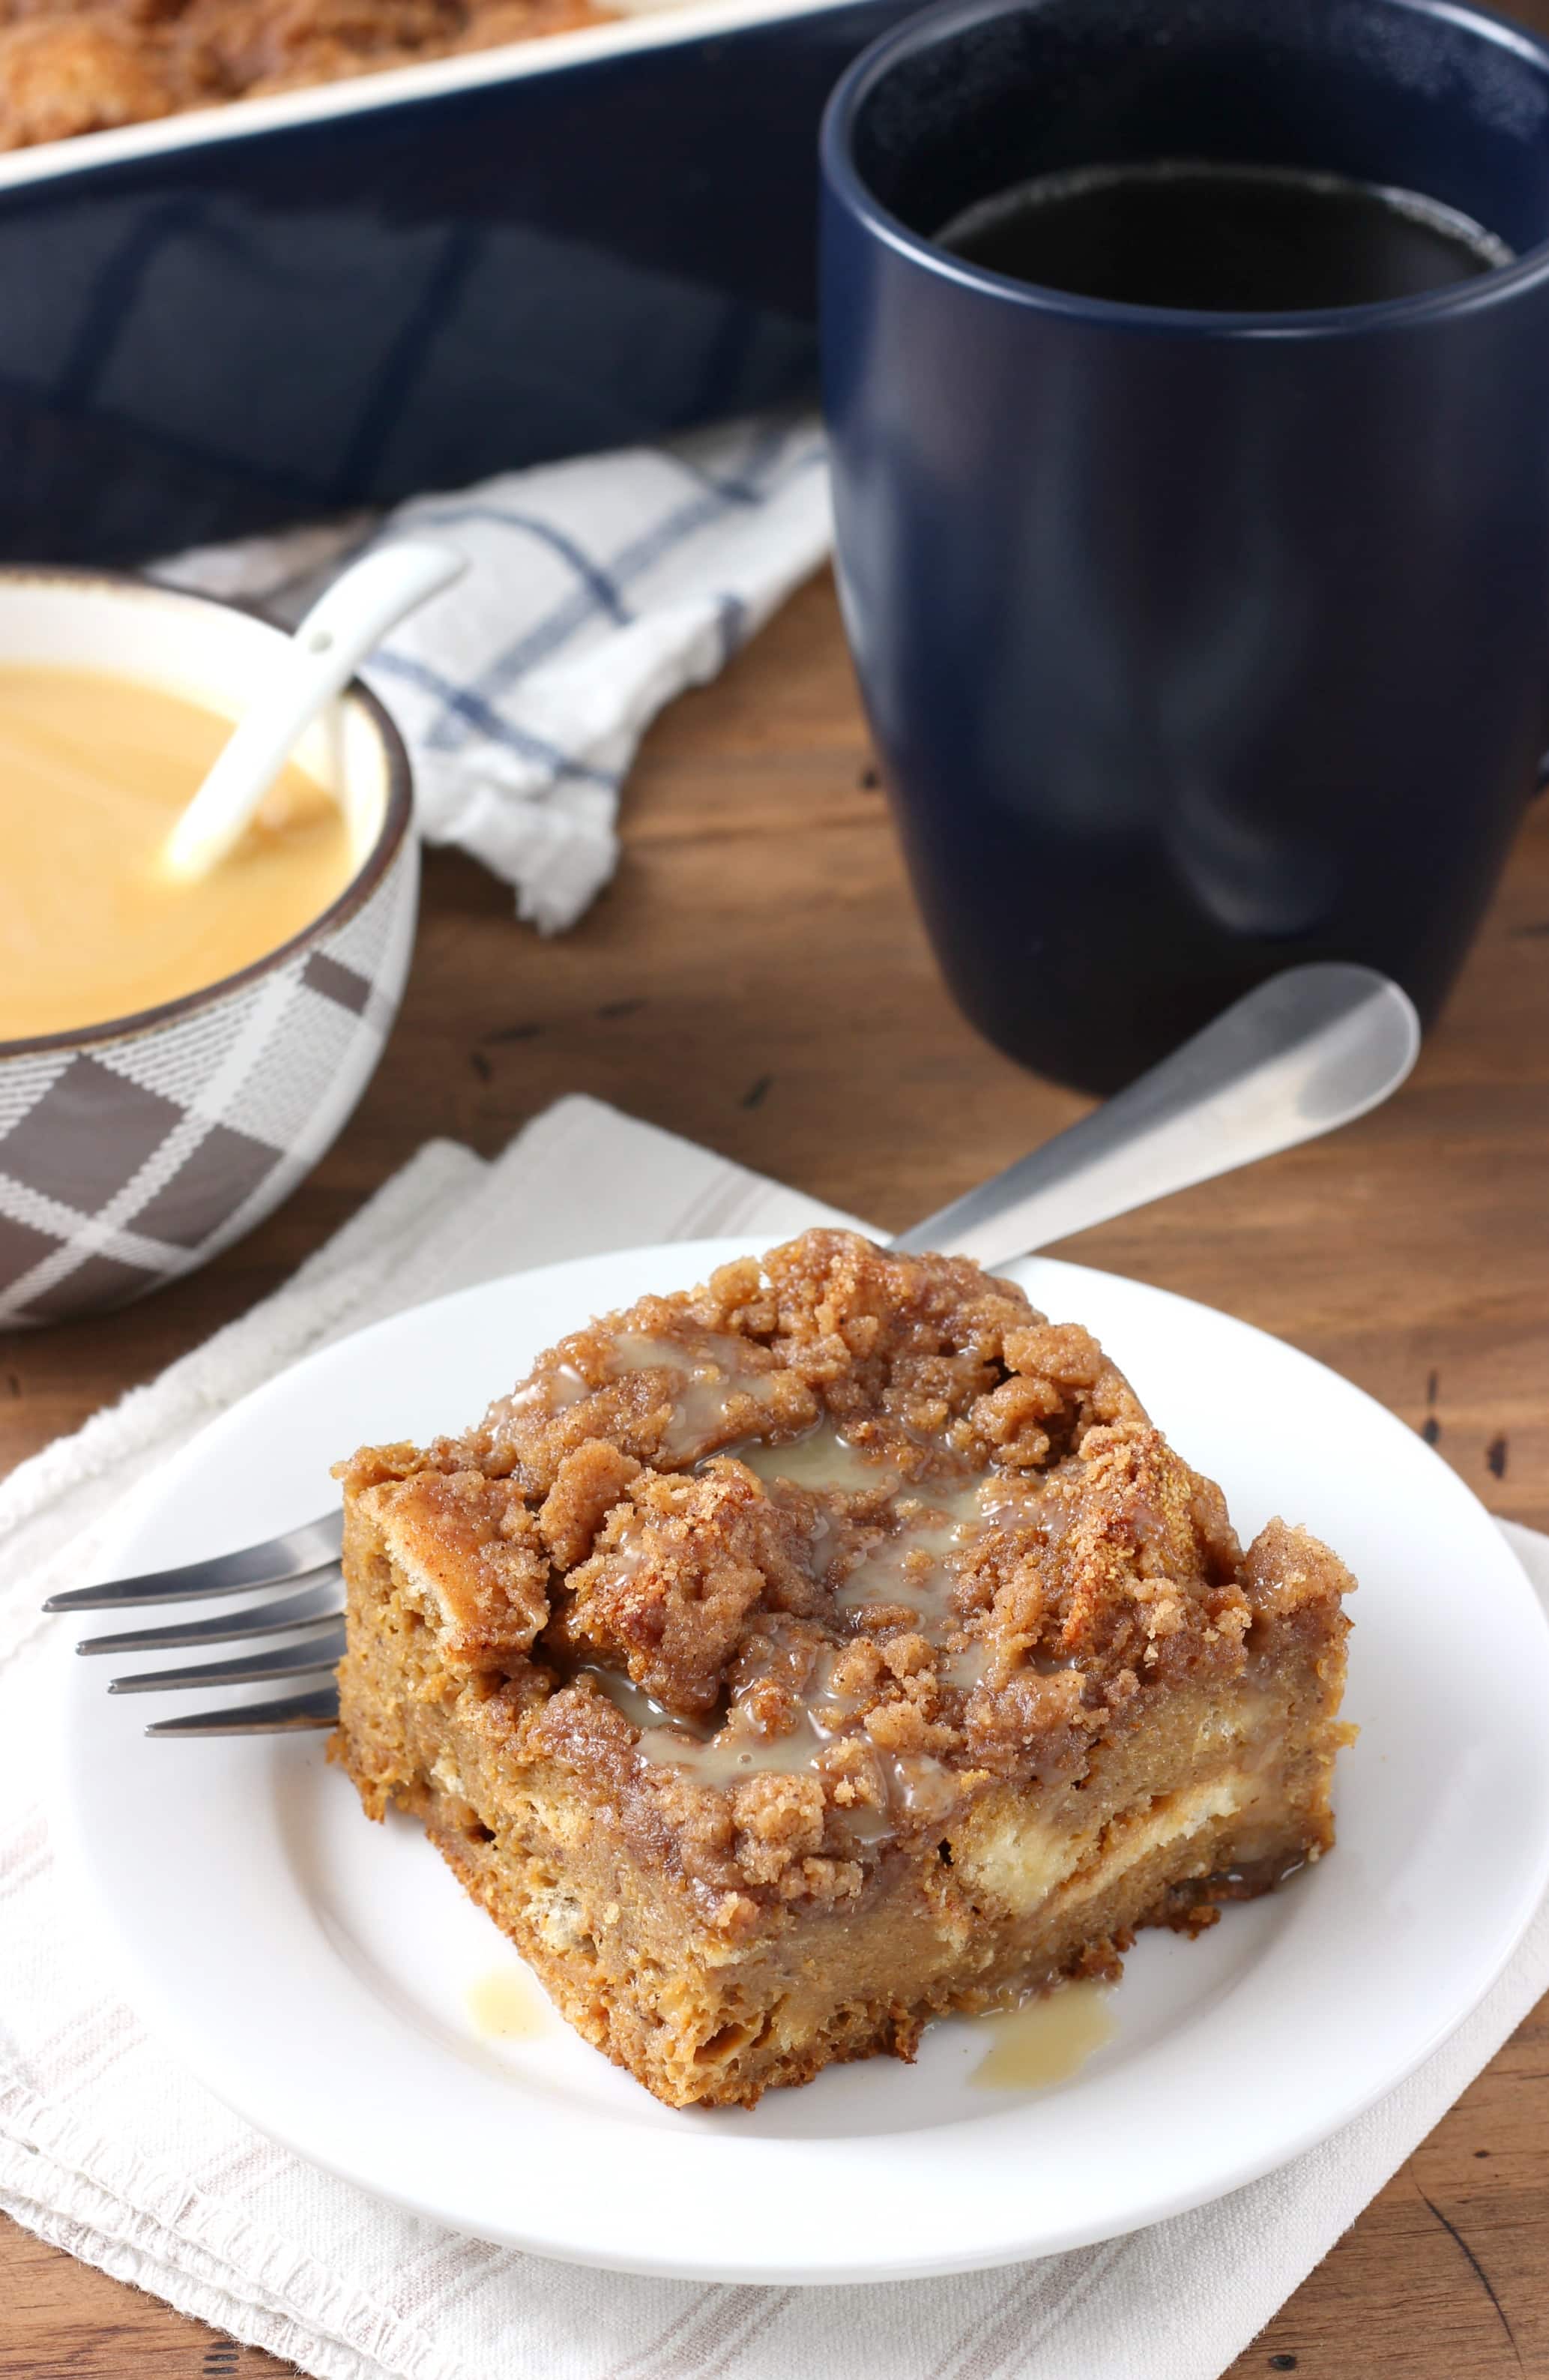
<point>109,2150</point>
<point>597,590</point>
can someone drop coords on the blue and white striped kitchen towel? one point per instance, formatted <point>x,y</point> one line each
<point>598,588</point>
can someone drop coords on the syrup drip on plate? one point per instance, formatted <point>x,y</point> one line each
<point>506,2005</point>
<point>1045,2041</point>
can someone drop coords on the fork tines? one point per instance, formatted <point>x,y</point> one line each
<point>307,1558</point>
<point>287,1717</point>
<point>239,1669</point>
<point>316,1606</point>
<point>281,1561</point>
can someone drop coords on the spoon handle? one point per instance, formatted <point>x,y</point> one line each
<point>1312,1048</point>
<point>341,628</point>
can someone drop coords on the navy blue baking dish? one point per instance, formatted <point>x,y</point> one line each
<point>297,305</point>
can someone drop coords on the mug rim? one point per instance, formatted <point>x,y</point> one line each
<point>932,26</point>
<point>397,820</point>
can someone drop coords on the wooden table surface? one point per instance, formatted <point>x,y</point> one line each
<point>756,977</point>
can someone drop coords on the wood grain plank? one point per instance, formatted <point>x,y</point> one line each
<point>61,2320</point>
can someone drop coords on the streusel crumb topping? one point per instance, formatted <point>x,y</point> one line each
<point>792,1564</point>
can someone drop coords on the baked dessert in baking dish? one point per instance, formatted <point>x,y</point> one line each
<point>68,67</point>
<point>790,1660</point>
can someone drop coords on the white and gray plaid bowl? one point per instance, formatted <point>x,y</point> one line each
<point>132,1151</point>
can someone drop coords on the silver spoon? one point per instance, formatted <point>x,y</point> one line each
<point>345,623</point>
<point>1311,1049</point>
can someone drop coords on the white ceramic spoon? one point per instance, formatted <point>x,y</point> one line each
<point>341,628</point>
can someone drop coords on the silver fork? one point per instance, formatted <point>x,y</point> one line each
<point>307,1558</point>
<point>1311,1049</point>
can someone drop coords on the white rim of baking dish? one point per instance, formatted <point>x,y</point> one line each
<point>642,25</point>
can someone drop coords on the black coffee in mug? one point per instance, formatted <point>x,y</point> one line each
<point>1199,606</point>
<point>1222,239</point>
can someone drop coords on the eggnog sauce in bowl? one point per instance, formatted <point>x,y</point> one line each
<point>93,771</point>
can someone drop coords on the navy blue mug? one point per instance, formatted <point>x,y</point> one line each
<point>1196,645</point>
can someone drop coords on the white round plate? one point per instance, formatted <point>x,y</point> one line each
<point>315,1970</point>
